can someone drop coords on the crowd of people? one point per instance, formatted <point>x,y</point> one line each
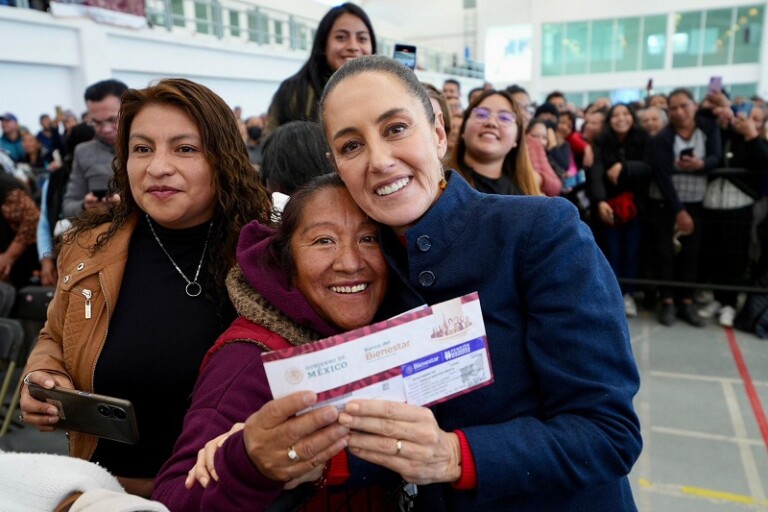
<point>185,241</point>
<point>674,189</point>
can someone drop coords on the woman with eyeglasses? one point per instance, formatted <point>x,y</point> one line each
<point>491,152</point>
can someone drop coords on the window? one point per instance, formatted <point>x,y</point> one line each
<point>601,47</point>
<point>654,42</point>
<point>717,37</point>
<point>593,96</point>
<point>687,39</point>
<point>177,8</point>
<point>552,42</point>
<point>575,47</point>
<point>234,23</point>
<point>628,44</point>
<point>747,90</point>
<point>258,27</point>
<point>747,40</point>
<point>203,18</point>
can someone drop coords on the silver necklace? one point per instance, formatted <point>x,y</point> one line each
<point>193,288</point>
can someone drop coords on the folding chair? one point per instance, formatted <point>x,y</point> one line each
<point>11,344</point>
<point>7,299</point>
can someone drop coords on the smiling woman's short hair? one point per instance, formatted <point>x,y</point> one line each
<point>379,64</point>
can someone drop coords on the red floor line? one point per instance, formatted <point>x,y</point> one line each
<point>754,398</point>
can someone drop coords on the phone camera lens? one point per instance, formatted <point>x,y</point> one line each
<point>104,410</point>
<point>118,413</point>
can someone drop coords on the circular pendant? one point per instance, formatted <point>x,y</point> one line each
<point>194,289</point>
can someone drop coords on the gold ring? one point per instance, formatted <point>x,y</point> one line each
<point>293,454</point>
<point>399,446</point>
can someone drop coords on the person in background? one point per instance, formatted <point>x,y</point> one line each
<point>287,164</point>
<point>141,294</point>
<point>557,99</point>
<point>617,189</point>
<point>255,128</point>
<point>523,101</point>
<point>653,120</point>
<point>556,430</point>
<point>18,221</point>
<point>344,33</point>
<point>474,94</point>
<point>10,141</point>
<point>49,135</point>
<point>727,214</point>
<point>92,161</point>
<point>52,221</point>
<point>441,109</point>
<point>537,143</point>
<point>491,152</point>
<point>452,89</point>
<point>681,156</point>
<point>659,101</point>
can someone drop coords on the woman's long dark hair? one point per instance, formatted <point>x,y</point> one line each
<point>288,104</point>
<point>239,196</point>
<point>632,147</point>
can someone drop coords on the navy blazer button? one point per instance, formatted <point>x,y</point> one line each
<point>426,278</point>
<point>424,243</point>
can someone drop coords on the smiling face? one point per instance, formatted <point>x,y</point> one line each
<point>385,149</point>
<point>621,120</point>
<point>491,130</point>
<point>169,176</point>
<point>339,265</point>
<point>349,38</point>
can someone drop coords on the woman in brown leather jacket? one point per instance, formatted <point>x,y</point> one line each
<point>141,294</point>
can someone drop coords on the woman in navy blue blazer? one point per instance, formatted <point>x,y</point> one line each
<point>556,430</point>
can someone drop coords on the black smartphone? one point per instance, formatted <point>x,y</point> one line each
<point>100,193</point>
<point>100,415</point>
<point>406,55</point>
<point>686,152</point>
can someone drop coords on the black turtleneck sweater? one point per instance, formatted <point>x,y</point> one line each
<point>156,340</point>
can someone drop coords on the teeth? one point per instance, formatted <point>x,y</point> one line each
<point>394,187</point>
<point>349,289</point>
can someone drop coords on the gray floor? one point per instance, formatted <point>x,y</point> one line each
<point>704,451</point>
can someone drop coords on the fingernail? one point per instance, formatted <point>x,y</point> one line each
<point>204,481</point>
<point>309,398</point>
<point>53,419</point>
<point>352,407</point>
<point>330,415</point>
<point>345,419</point>
<point>187,482</point>
<point>53,411</point>
<point>49,383</point>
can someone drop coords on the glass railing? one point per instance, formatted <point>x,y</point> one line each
<point>241,21</point>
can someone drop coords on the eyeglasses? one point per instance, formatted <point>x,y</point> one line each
<point>99,125</point>
<point>503,117</point>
